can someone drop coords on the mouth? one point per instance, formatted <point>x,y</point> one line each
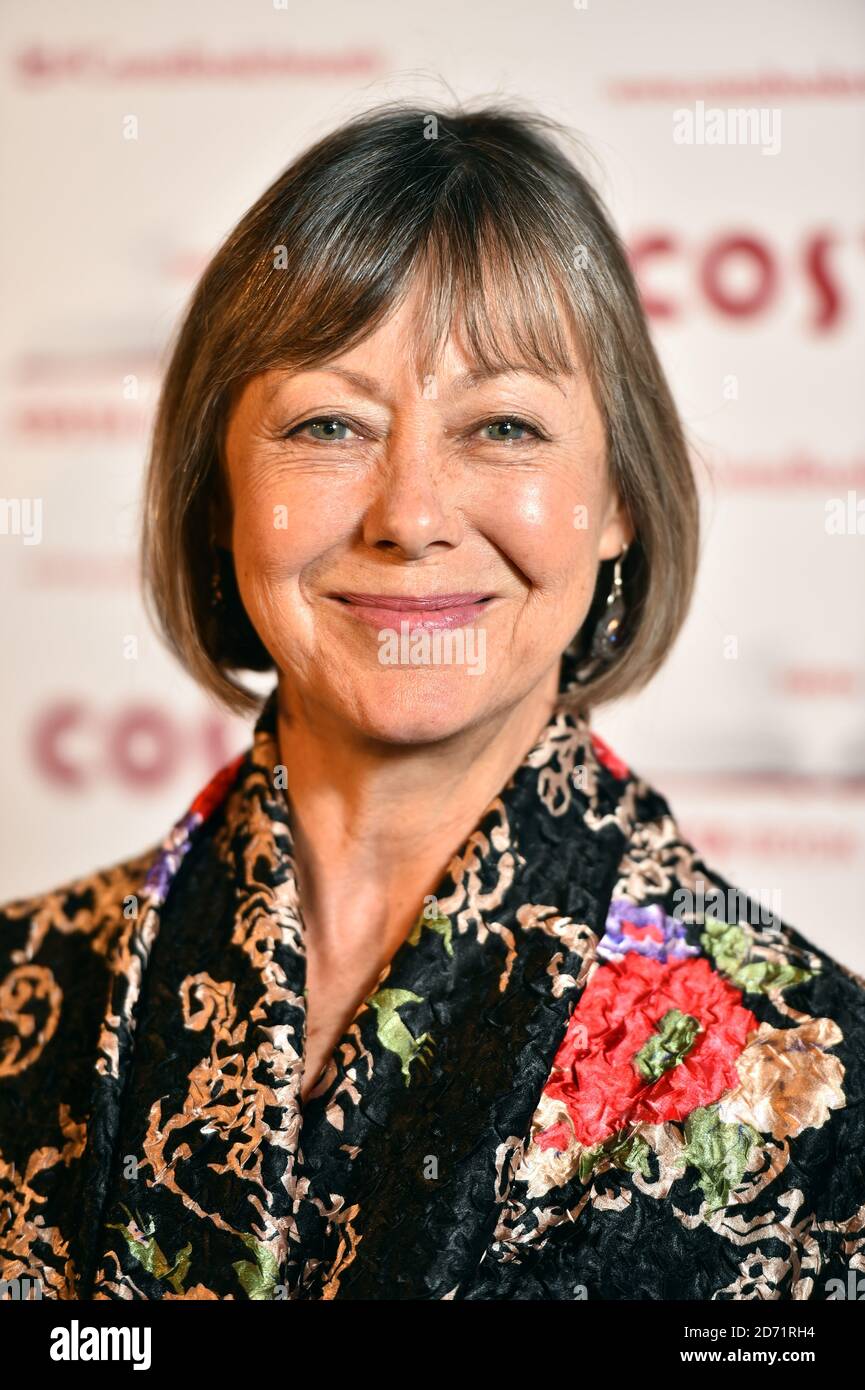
<point>427,610</point>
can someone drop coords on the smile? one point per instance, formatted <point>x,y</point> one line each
<point>429,611</point>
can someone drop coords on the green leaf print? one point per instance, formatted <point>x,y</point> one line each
<point>667,1047</point>
<point>142,1245</point>
<point>260,1279</point>
<point>439,923</point>
<point>718,1151</point>
<point>393,1033</point>
<point>729,946</point>
<point>623,1151</point>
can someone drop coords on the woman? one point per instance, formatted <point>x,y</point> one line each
<point>425,997</point>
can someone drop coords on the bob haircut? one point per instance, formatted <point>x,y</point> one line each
<point>505,236</point>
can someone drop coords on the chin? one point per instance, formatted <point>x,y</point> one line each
<point>415,708</point>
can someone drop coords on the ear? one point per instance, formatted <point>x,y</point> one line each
<point>617,530</point>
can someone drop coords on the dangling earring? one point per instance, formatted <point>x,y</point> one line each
<point>608,633</point>
<point>233,641</point>
<point>607,636</point>
<point>217,597</point>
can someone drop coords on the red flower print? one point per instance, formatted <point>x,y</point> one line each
<point>608,759</point>
<point>594,1072</point>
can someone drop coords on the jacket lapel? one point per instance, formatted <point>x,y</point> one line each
<point>200,1190</point>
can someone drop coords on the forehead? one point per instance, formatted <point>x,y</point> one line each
<point>470,340</point>
<point>399,348</point>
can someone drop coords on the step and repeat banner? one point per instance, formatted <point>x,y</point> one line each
<point>728,143</point>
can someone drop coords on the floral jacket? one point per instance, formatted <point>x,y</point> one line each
<point>592,1070</point>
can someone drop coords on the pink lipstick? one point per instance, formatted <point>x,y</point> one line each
<point>430,610</point>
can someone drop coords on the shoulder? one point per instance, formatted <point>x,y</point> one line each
<point>82,915</point>
<point>59,952</point>
<point>660,865</point>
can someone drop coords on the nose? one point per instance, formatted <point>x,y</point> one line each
<point>415,507</point>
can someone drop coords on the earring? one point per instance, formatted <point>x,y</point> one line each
<point>233,641</point>
<point>608,633</point>
<point>607,636</point>
<point>216,595</point>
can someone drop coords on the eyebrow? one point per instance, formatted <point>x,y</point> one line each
<point>478,375</point>
<point>464,382</point>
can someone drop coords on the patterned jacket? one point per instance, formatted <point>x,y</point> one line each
<point>593,1069</point>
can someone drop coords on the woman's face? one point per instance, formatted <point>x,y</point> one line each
<point>416,554</point>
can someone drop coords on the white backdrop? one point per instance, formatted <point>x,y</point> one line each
<point>752,267</point>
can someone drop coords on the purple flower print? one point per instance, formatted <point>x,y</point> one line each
<point>646,930</point>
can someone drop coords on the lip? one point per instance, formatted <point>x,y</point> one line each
<point>426,610</point>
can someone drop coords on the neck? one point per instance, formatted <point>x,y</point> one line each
<point>375,825</point>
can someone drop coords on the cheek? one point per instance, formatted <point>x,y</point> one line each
<point>548,527</point>
<point>281,531</point>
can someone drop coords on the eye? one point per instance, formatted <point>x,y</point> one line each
<point>509,429</point>
<point>325,428</point>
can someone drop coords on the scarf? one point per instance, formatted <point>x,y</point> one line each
<point>593,1069</point>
